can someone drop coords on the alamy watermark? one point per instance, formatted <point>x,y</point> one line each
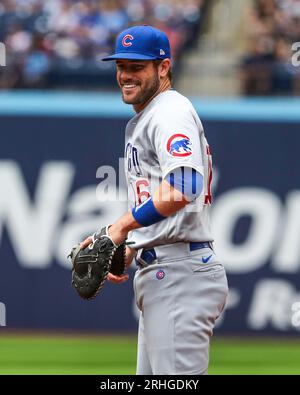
<point>139,187</point>
<point>2,55</point>
<point>296,55</point>
<point>2,314</point>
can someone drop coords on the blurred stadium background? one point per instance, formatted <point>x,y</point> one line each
<point>238,62</point>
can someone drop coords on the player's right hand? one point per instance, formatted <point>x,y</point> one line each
<point>117,279</point>
<point>130,254</point>
<point>86,242</point>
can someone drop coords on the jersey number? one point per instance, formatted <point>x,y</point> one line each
<point>142,192</point>
<point>141,187</point>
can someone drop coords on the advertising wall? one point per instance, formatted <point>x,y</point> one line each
<point>52,152</point>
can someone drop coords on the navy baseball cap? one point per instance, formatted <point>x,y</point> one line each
<point>141,43</point>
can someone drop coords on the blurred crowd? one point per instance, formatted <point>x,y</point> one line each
<point>60,42</point>
<point>272,27</point>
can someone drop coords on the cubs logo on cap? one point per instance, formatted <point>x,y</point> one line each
<point>179,145</point>
<point>126,42</point>
<point>141,43</point>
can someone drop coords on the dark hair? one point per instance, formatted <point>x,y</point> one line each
<point>170,73</point>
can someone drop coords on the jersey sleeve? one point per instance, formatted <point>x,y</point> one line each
<point>176,140</point>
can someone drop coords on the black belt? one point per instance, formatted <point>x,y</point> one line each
<point>149,255</point>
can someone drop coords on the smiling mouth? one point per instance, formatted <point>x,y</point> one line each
<point>129,86</point>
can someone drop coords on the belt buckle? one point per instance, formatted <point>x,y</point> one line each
<point>139,260</point>
<point>142,262</point>
<point>194,246</point>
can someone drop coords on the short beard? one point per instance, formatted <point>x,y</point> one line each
<point>144,96</point>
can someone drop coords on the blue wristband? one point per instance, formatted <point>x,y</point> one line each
<point>146,214</point>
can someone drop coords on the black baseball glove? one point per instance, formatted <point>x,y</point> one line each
<point>92,264</point>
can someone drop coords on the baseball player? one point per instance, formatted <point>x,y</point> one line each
<point>180,285</point>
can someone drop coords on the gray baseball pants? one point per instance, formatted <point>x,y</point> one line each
<point>180,296</point>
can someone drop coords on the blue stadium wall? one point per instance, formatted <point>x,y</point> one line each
<point>51,147</point>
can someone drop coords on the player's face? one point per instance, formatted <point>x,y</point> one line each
<point>138,80</point>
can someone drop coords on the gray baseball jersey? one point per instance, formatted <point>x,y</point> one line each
<point>166,135</point>
<point>182,291</point>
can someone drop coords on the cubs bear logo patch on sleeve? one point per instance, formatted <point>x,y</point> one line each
<point>179,145</point>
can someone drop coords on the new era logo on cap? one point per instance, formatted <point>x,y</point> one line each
<point>141,43</point>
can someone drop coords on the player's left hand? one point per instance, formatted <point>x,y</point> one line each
<point>130,253</point>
